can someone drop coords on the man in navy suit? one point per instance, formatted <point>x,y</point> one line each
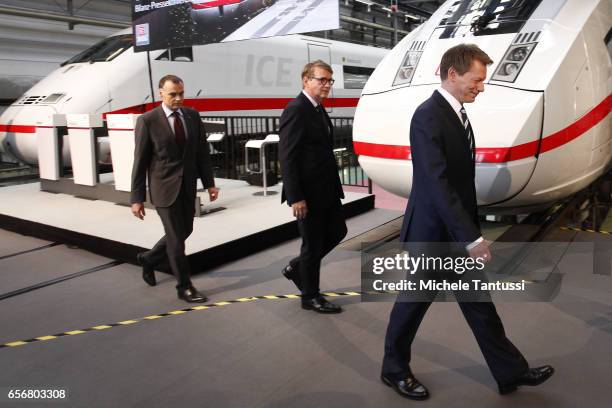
<point>311,185</point>
<point>442,210</point>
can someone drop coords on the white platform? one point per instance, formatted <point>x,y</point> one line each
<point>243,216</point>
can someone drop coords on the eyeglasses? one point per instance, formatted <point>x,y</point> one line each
<point>324,81</point>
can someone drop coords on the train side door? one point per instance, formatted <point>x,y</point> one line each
<point>322,52</point>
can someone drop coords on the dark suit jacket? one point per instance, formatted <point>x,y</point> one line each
<point>157,155</point>
<point>306,155</point>
<point>442,204</point>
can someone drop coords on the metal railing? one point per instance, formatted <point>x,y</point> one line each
<point>228,155</point>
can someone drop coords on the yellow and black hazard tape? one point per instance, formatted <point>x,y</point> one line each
<point>101,327</point>
<point>586,230</point>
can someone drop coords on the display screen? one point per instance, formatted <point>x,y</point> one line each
<point>179,23</point>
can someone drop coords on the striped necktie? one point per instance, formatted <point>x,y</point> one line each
<point>468,131</point>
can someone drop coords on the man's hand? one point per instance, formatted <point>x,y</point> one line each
<point>481,251</point>
<point>138,210</point>
<point>213,193</point>
<point>300,210</point>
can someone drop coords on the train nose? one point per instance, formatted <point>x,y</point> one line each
<point>507,125</point>
<point>18,131</point>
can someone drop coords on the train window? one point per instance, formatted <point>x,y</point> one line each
<point>106,50</point>
<point>164,56</point>
<point>53,98</point>
<point>486,17</point>
<point>356,77</point>
<point>184,54</point>
<point>608,41</point>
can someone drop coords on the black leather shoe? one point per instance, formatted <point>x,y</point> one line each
<point>320,305</point>
<point>533,377</point>
<point>191,295</point>
<point>148,274</point>
<point>292,274</point>
<point>409,387</point>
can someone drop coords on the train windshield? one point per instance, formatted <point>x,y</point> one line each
<point>486,17</point>
<point>105,50</point>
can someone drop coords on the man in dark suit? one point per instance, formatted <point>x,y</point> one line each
<point>441,209</point>
<point>171,150</point>
<point>311,185</point>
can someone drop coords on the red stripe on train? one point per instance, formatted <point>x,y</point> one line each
<point>238,104</point>
<point>381,150</point>
<point>18,128</point>
<point>579,127</point>
<point>503,154</point>
<point>210,105</point>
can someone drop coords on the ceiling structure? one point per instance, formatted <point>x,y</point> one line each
<point>417,6</point>
<point>379,23</point>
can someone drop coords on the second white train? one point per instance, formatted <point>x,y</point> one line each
<point>242,78</point>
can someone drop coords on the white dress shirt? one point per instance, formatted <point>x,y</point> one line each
<point>311,99</point>
<point>454,103</point>
<point>171,118</point>
<point>314,103</point>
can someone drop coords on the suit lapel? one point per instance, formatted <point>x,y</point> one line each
<point>188,125</point>
<point>472,151</point>
<point>449,111</point>
<point>168,132</point>
<point>164,122</point>
<point>329,123</point>
<point>452,115</point>
<point>192,128</point>
<point>326,122</point>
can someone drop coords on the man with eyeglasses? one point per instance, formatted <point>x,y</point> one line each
<point>311,185</point>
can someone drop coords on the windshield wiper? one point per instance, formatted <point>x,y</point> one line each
<point>489,15</point>
<point>485,18</point>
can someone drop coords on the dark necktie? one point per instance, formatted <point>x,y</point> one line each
<point>468,131</point>
<point>319,109</point>
<point>179,130</point>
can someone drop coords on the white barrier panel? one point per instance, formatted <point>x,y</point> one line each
<point>83,147</point>
<point>261,145</point>
<point>47,141</point>
<point>121,136</point>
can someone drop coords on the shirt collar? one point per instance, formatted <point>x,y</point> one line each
<point>454,103</point>
<point>314,103</point>
<point>169,111</point>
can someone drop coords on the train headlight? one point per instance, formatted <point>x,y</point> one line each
<point>518,54</point>
<point>509,68</point>
<point>406,70</point>
<point>513,61</point>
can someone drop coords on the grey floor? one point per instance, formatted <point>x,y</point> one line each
<point>270,353</point>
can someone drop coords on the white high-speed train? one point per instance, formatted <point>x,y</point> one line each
<point>242,78</point>
<point>542,125</point>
